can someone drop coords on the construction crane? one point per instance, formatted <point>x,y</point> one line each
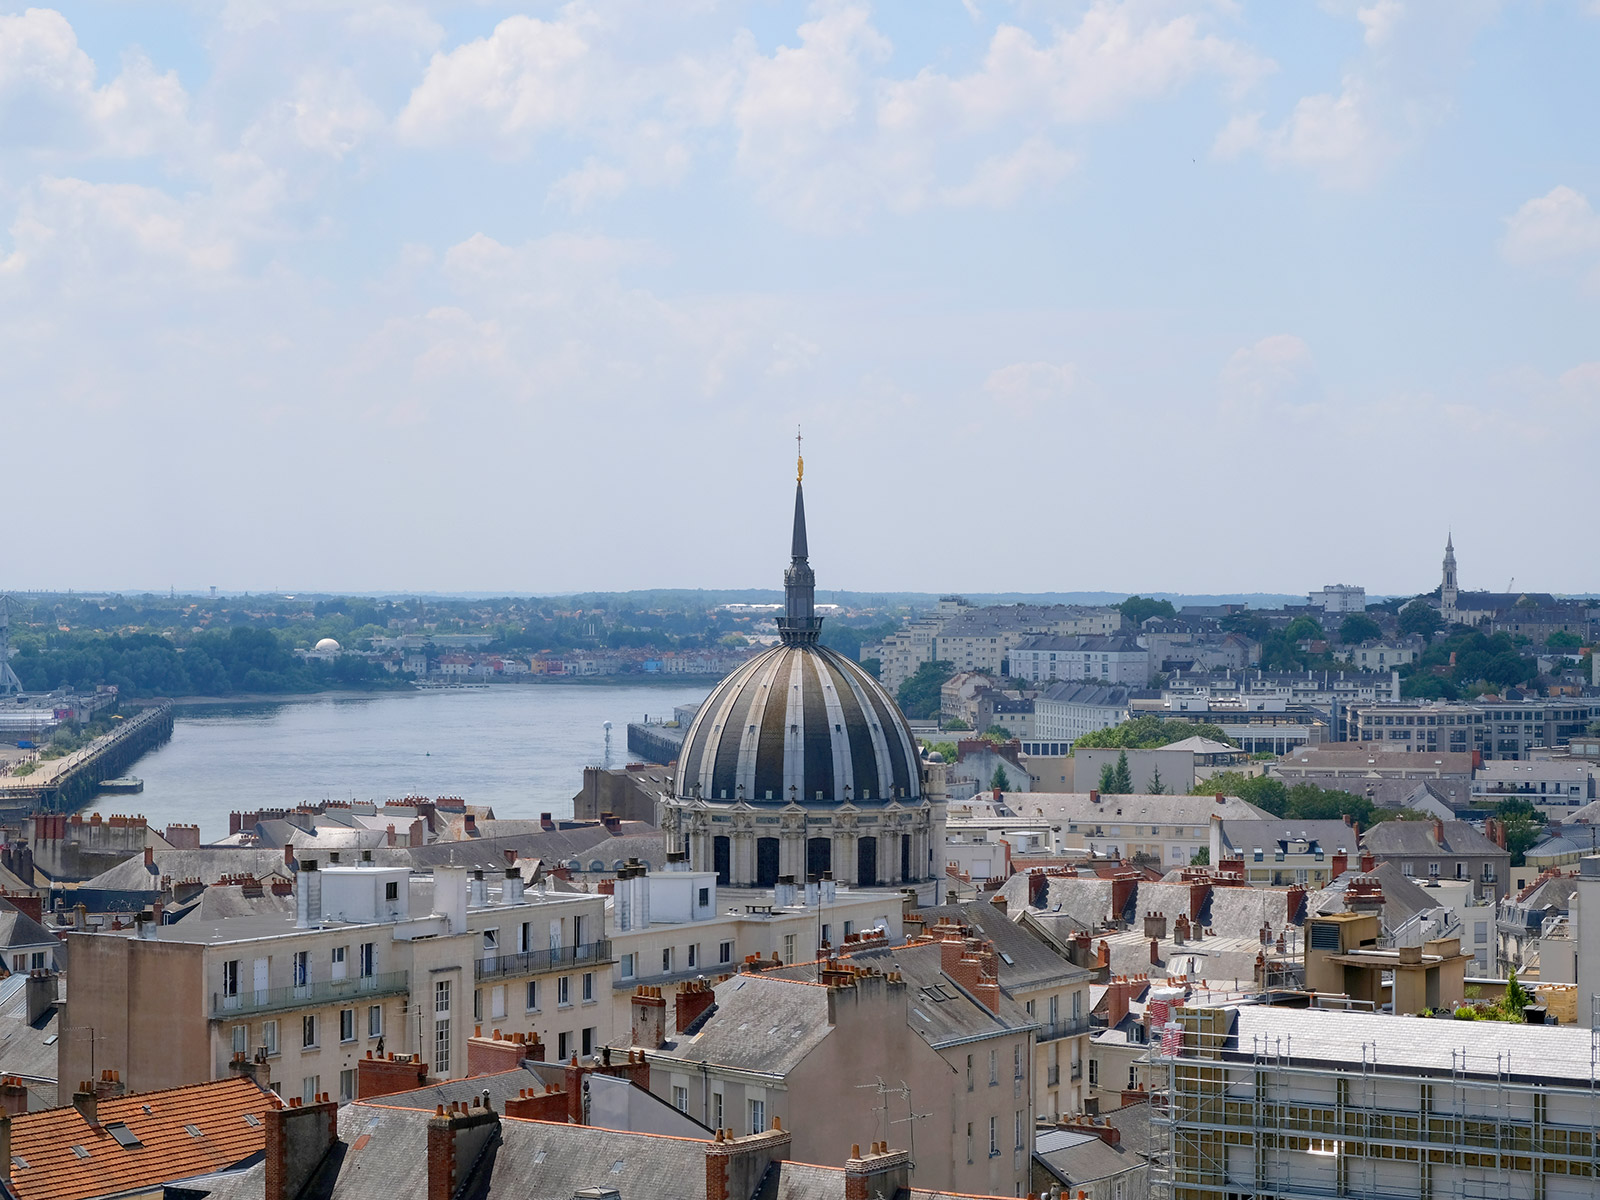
<point>1511,584</point>
<point>10,685</point>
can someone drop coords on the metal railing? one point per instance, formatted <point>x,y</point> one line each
<point>1052,1076</point>
<point>535,962</point>
<point>306,995</point>
<point>1049,1031</point>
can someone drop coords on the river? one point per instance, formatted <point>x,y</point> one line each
<point>521,749</point>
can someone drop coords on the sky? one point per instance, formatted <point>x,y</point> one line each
<point>1173,295</point>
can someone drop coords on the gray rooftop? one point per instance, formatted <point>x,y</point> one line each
<point>1026,960</point>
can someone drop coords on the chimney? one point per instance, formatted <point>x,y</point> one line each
<point>879,1172</point>
<point>533,1105</point>
<point>13,1099</point>
<point>5,1146</point>
<point>1094,796</point>
<point>1438,833</point>
<point>41,993</point>
<point>469,824</point>
<point>1118,993</point>
<point>477,890</point>
<point>1338,864</point>
<point>784,893</point>
<point>735,1167</point>
<point>396,1073</point>
<point>545,823</point>
<point>308,895</point>
<point>511,889</point>
<point>1155,925</point>
<point>1368,863</point>
<point>694,998</point>
<point>388,835</point>
<point>86,1101</point>
<point>649,1018</point>
<point>150,857</point>
<point>1155,953</point>
<point>298,1139</point>
<point>456,1139</point>
<point>450,896</point>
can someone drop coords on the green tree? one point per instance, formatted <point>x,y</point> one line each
<point>957,723</point>
<point>1139,609</point>
<point>1561,639</point>
<point>1201,857</point>
<point>919,696</point>
<point>1523,824</point>
<point>1156,787</point>
<point>1149,733</point>
<point>996,733</point>
<point>1420,617</point>
<point>1000,780</point>
<point>872,666</point>
<point>1304,629</point>
<point>1108,779</point>
<point>1266,793</point>
<point>1429,687</point>
<point>1516,999</point>
<point>1122,777</point>
<point>1358,627</point>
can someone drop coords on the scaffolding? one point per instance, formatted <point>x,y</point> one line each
<point>1254,1122</point>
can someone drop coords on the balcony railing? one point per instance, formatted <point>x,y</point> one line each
<point>1052,1077</point>
<point>535,962</point>
<point>1049,1031</point>
<point>306,995</point>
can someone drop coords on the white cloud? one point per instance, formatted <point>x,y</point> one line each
<point>1560,226</point>
<point>593,182</point>
<point>49,100</point>
<point>1399,88</point>
<point>1277,371</point>
<point>1021,390</point>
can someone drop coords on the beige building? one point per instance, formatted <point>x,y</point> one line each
<point>373,958</point>
<point>847,1050</point>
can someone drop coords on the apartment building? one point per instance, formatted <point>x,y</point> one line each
<point>1504,730</point>
<point>1064,712</point>
<point>1117,660</point>
<point>1165,828</point>
<point>1278,1103</point>
<point>668,928</point>
<point>372,958</point>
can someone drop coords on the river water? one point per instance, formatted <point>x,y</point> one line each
<point>521,749</point>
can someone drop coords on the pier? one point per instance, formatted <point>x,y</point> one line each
<point>67,784</point>
<point>656,743</point>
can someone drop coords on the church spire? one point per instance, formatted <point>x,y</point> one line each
<point>799,623</point>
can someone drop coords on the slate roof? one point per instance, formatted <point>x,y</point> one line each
<point>207,864</point>
<point>553,847</point>
<point>1077,1158</point>
<point>1032,961</point>
<point>1099,695</point>
<point>766,1023</point>
<point>19,931</point>
<point>1277,833</point>
<point>1405,839</point>
<point>28,1050</point>
<point>161,1122</point>
<point>1077,808</point>
<point>1402,898</point>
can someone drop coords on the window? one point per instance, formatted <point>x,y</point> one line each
<point>1018,1128</point>
<point>564,991</point>
<point>969,1141</point>
<point>666,961</point>
<point>586,1041</point>
<point>705,897</point>
<point>269,1036</point>
<point>368,959</point>
<point>563,1047</point>
<point>1133,1078</point>
<point>994,1067</point>
<point>230,977</point>
<point>827,934</point>
<point>788,947</point>
<point>994,1136</point>
<point>849,928</point>
<point>588,987</point>
<point>310,1088</point>
<point>725,952</point>
<point>1094,1072</point>
<point>525,938</point>
<point>241,1039</point>
<point>441,1027</point>
<point>347,1085</point>
<point>969,1072</point>
<point>533,995</point>
<point>627,966</point>
<point>758,1116</point>
<point>347,1024</point>
<point>716,1110</point>
<point>477,1004</point>
<point>1433,870</point>
<point>1016,1062</point>
<point>308,1030</point>
<point>391,890</point>
<point>680,1099</point>
<point>302,968</point>
<point>338,957</point>
<point>374,1020</point>
<point>694,953</point>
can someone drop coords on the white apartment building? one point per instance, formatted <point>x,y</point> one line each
<point>1065,712</point>
<point>1117,660</point>
<point>1380,655</point>
<point>1339,598</point>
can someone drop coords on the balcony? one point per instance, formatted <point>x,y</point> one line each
<point>1049,1031</point>
<point>536,962</point>
<point>1052,1077</point>
<point>306,995</point>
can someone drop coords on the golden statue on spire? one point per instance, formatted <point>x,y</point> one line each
<point>799,459</point>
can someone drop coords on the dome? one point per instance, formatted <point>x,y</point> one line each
<point>799,723</point>
<point>327,645</point>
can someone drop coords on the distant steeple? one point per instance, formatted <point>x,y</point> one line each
<point>799,623</point>
<point>1448,591</point>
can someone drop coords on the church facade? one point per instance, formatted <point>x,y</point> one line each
<point>800,766</point>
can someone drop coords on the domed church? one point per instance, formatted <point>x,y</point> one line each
<point>800,764</point>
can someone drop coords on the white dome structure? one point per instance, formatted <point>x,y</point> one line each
<point>328,646</point>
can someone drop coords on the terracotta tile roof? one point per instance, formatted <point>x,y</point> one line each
<point>175,1134</point>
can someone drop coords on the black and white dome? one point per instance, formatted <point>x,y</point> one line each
<point>802,724</point>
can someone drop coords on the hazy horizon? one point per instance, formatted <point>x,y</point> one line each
<point>529,298</point>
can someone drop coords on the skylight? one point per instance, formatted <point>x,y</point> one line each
<point>80,1152</point>
<point>193,1131</point>
<point>123,1136</point>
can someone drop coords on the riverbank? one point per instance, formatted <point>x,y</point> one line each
<point>666,682</point>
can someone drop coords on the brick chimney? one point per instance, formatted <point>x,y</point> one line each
<point>649,1017</point>
<point>735,1166</point>
<point>1155,953</point>
<point>377,1076</point>
<point>546,823</point>
<point>533,1105</point>
<point>1368,863</point>
<point>298,1139</point>
<point>500,1052</point>
<point>1438,833</point>
<point>13,1098</point>
<point>879,1172</point>
<point>1118,992</point>
<point>694,998</point>
<point>1338,864</point>
<point>1155,925</point>
<point>109,1084</point>
<point>86,1101</point>
<point>455,1140</point>
<point>972,963</point>
<point>1102,1129</point>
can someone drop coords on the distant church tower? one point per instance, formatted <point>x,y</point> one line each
<point>1447,588</point>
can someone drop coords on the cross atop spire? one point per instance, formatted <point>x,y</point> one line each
<point>799,459</point>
